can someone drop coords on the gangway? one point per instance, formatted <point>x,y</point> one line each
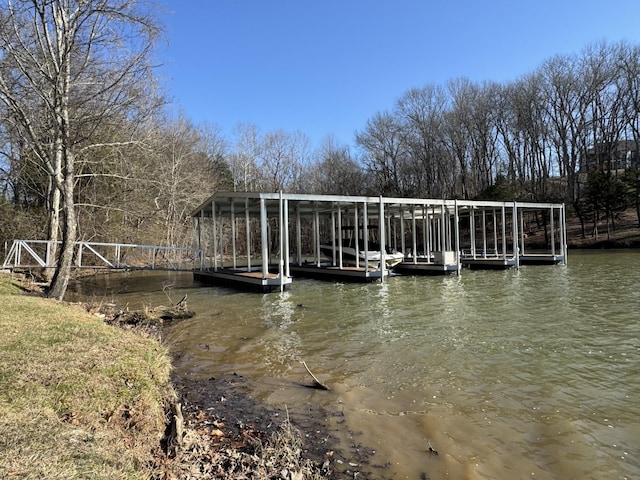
<point>97,255</point>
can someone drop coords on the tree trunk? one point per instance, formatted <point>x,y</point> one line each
<point>69,232</point>
<point>53,226</point>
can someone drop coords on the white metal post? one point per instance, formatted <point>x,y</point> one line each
<point>472,229</point>
<point>333,239</point>
<point>286,239</point>
<point>247,221</point>
<point>553,237</point>
<point>514,221</point>
<point>264,239</point>
<point>457,235</point>
<point>504,232</point>
<point>298,236</point>
<point>214,236</point>
<point>383,246</point>
<point>233,235</point>
<point>355,232</point>
<point>365,234</point>
<point>339,237</point>
<point>414,236</point>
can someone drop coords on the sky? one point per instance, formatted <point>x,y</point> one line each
<point>325,67</point>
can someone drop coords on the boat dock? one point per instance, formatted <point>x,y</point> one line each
<point>264,240</point>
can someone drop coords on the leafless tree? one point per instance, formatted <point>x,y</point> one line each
<point>67,68</point>
<point>244,157</point>
<point>335,171</point>
<point>384,147</point>
<point>283,158</point>
<point>421,111</point>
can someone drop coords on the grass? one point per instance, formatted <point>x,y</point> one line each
<point>78,398</point>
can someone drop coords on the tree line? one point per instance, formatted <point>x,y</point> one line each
<point>89,150</point>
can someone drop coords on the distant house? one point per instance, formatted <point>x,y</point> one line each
<point>611,156</point>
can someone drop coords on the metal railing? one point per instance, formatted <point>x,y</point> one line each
<point>38,253</point>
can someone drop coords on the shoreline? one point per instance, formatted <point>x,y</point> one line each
<point>224,432</point>
<point>223,411</point>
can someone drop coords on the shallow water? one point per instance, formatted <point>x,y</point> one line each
<point>530,373</point>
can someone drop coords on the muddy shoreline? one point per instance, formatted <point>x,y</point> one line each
<point>226,426</point>
<point>223,411</point>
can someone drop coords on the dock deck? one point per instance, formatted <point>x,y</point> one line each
<point>541,259</point>
<point>425,268</point>
<point>488,263</point>
<point>344,274</point>
<point>255,281</point>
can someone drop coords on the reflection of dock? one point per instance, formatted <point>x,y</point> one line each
<point>263,240</point>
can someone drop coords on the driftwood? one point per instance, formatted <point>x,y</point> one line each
<point>176,429</point>
<point>316,383</point>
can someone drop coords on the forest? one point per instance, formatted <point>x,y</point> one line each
<point>90,150</point>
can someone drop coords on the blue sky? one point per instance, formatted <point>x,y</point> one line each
<point>326,67</point>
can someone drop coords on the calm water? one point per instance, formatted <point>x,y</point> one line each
<point>510,375</point>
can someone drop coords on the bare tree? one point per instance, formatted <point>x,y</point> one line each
<point>283,158</point>
<point>335,172</point>
<point>422,112</point>
<point>244,157</point>
<point>385,153</point>
<point>66,69</point>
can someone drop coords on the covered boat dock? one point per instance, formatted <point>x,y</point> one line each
<point>263,240</point>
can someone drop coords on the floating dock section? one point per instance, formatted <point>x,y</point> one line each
<point>262,241</point>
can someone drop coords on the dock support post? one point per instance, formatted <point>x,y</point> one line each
<point>472,231</point>
<point>522,252</point>
<point>298,236</point>
<point>457,236</point>
<point>334,260</point>
<point>425,232</point>
<point>514,221</point>
<point>564,234</point>
<point>201,240</point>
<point>340,237</point>
<point>233,234</point>
<point>383,247</point>
<point>316,235</point>
<point>403,243</point>
<point>484,233</point>
<point>285,226</point>
<point>443,230</point>
<point>247,222</point>
<point>355,233</point>
<point>414,237</point>
<point>504,232</point>
<point>281,238</point>
<point>553,237</point>
<point>214,236</point>
<point>264,238</point>
<point>365,233</point>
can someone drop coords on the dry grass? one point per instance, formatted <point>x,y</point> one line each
<point>78,398</point>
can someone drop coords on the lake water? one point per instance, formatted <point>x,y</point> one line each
<point>518,374</point>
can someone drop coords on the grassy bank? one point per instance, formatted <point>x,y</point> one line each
<point>81,399</point>
<point>78,398</point>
